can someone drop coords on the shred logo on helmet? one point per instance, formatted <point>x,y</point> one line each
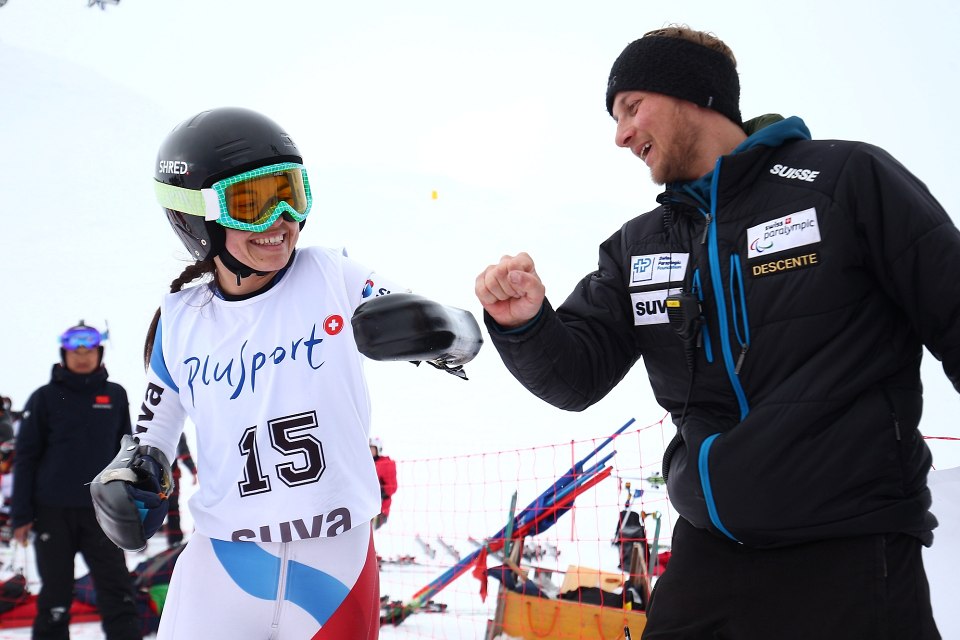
<point>209,147</point>
<point>173,166</point>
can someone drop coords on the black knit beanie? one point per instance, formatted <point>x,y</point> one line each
<point>678,68</point>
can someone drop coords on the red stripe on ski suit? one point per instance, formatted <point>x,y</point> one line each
<point>358,617</point>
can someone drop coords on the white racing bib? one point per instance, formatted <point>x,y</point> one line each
<point>275,387</point>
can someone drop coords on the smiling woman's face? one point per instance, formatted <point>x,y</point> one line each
<point>268,250</point>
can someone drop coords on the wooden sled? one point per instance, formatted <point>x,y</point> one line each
<point>533,618</point>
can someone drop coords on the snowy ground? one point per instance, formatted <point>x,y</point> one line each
<point>466,618</point>
<point>15,557</point>
<point>462,622</point>
<point>467,615</point>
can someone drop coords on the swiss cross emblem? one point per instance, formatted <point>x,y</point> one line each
<point>333,325</point>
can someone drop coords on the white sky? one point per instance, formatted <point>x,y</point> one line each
<point>497,106</point>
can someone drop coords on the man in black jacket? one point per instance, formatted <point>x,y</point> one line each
<point>71,430</point>
<point>780,297</point>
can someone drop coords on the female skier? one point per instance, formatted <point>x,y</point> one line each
<point>262,358</point>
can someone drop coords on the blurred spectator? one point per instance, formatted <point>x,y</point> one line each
<point>71,430</point>
<point>173,528</point>
<point>9,421</point>
<point>387,475</point>
<point>7,431</point>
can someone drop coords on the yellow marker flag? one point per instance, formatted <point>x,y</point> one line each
<point>433,195</point>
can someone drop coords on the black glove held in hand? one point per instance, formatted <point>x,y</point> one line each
<point>152,503</point>
<point>130,494</point>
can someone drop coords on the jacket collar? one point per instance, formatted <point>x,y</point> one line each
<point>78,381</point>
<point>697,192</point>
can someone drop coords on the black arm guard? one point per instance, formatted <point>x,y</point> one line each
<point>406,326</point>
<point>115,509</point>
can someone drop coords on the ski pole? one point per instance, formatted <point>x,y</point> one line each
<point>577,468</point>
<point>551,498</point>
<point>656,543</point>
<point>496,543</point>
<point>511,519</point>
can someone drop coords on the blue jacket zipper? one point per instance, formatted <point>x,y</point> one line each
<point>713,256</point>
<point>736,290</point>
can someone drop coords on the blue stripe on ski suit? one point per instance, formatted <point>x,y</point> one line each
<point>257,572</point>
<point>156,359</point>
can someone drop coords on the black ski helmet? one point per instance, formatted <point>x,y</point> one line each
<point>210,146</point>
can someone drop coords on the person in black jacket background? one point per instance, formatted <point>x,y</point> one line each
<point>172,526</point>
<point>780,297</point>
<point>71,429</point>
<point>9,421</point>
<point>7,431</point>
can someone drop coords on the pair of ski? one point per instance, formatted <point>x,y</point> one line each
<point>432,553</point>
<point>399,560</point>
<point>395,611</point>
<point>535,518</point>
<point>533,553</point>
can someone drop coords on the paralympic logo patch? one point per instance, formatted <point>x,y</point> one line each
<point>780,234</point>
<point>757,247</point>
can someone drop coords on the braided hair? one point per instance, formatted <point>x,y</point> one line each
<point>195,271</point>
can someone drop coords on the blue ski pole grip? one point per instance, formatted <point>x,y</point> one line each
<point>130,494</point>
<point>410,327</point>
